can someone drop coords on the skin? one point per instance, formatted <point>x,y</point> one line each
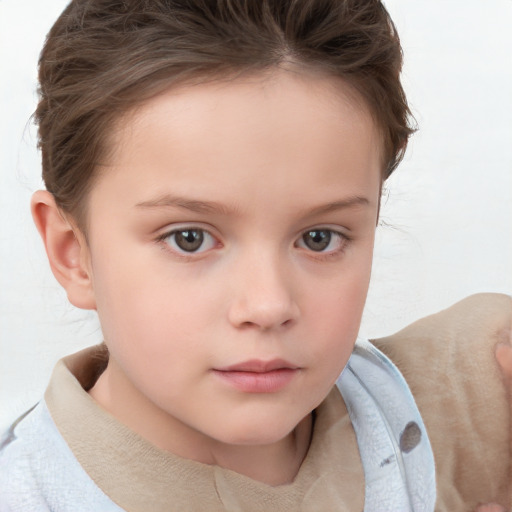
<point>504,358</point>
<point>255,163</point>
<point>490,507</point>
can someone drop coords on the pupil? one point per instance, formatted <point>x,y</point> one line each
<point>189,240</point>
<point>318,239</point>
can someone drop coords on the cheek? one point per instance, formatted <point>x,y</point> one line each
<point>149,330</point>
<point>341,298</point>
<point>336,312</point>
<point>151,315</point>
<point>129,300</point>
<point>136,285</point>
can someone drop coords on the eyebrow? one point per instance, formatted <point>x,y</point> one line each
<point>349,202</point>
<point>170,201</point>
<point>212,207</point>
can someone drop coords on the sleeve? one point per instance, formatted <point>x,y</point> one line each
<point>448,361</point>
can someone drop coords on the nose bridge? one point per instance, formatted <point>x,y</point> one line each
<point>264,296</point>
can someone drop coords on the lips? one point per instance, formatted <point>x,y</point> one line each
<point>256,376</point>
<point>258,366</point>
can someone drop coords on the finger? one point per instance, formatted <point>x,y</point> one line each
<point>504,358</point>
<point>490,507</point>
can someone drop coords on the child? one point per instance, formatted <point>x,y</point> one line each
<point>213,175</point>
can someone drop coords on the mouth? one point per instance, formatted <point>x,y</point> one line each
<point>256,376</point>
<point>259,366</point>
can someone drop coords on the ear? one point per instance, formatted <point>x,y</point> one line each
<point>66,248</point>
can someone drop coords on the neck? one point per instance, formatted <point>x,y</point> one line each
<point>274,464</point>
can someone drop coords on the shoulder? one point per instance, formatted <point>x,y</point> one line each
<point>465,323</point>
<point>39,472</point>
<point>19,454</point>
<point>448,361</point>
<point>452,342</point>
<point>452,353</point>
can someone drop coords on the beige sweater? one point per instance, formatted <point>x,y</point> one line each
<point>142,478</point>
<point>448,362</point>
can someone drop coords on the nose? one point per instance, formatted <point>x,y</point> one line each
<point>263,297</point>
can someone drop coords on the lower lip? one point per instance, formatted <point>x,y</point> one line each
<point>254,382</point>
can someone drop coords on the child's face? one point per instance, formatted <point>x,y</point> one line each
<point>233,227</point>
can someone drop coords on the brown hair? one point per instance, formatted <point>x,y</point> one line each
<point>103,57</point>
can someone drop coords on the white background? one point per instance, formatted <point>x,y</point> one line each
<point>448,208</point>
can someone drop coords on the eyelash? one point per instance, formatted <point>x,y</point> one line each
<point>181,252</point>
<point>343,241</point>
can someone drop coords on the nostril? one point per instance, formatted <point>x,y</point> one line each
<point>265,325</point>
<point>247,325</point>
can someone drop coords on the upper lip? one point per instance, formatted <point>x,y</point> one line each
<point>259,366</point>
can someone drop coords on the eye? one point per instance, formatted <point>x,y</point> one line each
<point>189,240</point>
<point>322,240</point>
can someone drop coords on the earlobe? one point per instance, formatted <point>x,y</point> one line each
<point>66,249</point>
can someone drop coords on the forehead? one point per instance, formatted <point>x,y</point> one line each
<point>305,96</point>
<point>298,132</point>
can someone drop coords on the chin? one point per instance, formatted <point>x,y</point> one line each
<point>257,432</point>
